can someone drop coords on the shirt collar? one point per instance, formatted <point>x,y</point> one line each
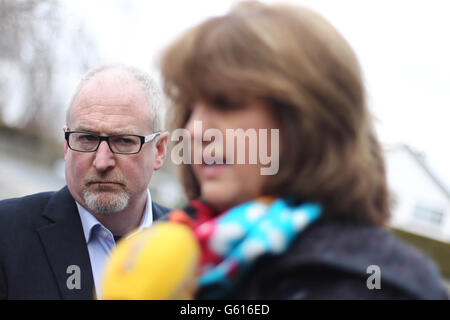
<point>89,221</point>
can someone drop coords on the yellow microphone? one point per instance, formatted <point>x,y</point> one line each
<point>159,263</point>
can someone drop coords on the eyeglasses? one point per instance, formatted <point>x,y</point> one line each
<point>83,141</point>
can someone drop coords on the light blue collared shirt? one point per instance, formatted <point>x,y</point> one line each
<point>100,241</point>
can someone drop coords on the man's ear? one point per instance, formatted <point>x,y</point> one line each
<point>161,150</point>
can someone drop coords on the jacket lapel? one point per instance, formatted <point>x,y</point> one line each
<point>66,249</point>
<point>160,212</point>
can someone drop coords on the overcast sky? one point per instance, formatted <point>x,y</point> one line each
<point>403,46</point>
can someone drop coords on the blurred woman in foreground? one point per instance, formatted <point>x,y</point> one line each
<point>313,230</point>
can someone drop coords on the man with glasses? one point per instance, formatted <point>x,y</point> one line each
<point>53,245</point>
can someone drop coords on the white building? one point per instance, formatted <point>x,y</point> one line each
<point>421,202</point>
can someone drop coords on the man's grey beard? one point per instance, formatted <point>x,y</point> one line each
<point>97,205</point>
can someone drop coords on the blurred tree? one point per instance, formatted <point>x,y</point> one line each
<point>38,49</point>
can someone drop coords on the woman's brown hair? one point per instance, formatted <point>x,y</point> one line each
<point>292,60</point>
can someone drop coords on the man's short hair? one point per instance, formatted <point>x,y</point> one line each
<point>151,89</point>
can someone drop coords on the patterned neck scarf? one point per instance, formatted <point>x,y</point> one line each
<point>232,241</point>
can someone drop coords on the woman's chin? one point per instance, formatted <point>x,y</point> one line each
<point>230,191</point>
<point>219,197</point>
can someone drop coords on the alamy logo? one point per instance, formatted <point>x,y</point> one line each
<point>74,280</point>
<point>262,148</point>
<point>374,280</point>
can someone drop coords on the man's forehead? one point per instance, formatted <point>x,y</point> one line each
<point>110,120</point>
<point>111,88</point>
<point>90,98</point>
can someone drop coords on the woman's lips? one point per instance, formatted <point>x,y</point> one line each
<point>209,171</point>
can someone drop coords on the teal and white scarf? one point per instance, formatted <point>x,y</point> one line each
<point>231,242</point>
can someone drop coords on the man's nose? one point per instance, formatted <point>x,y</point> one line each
<point>104,158</point>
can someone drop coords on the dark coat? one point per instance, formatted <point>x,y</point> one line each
<point>40,237</point>
<point>329,260</point>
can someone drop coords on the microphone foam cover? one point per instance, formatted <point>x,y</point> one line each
<point>158,263</point>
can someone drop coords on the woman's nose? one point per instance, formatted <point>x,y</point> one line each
<point>199,121</point>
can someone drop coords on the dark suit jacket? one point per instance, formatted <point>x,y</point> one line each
<point>40,237</point>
